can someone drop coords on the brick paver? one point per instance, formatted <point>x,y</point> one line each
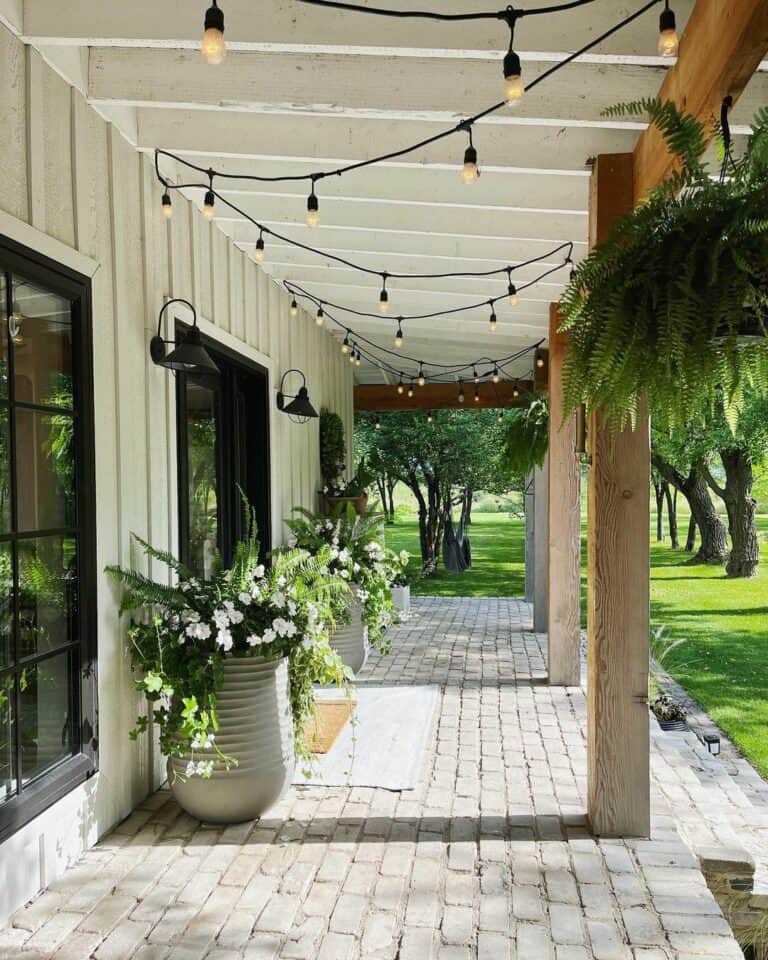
<point>490,858</point>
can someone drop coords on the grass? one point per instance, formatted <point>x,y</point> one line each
<point>723,664</point>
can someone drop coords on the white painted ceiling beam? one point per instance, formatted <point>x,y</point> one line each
<point>516,143</point>
<point>287,23</point>
<point>511,186</point>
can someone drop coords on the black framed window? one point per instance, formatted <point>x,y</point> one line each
<point>47,536</point>
<point>223,447</point>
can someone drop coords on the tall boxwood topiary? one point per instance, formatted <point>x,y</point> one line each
<point>333,448</point>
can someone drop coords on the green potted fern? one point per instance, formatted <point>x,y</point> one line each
<point>673,306</point>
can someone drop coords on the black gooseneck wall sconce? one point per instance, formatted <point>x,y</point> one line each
<point>300,410</point>
<point>188,354</point>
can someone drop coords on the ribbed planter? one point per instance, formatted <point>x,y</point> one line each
<point>401,598</point>
<point>256,728</point>
<point>351,640</point>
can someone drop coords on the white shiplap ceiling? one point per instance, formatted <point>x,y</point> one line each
<point>304,89</point>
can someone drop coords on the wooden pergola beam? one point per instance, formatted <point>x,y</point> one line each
<point>443,396</point>
<point>720,51</point>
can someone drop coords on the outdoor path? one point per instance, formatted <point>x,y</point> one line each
<point>488,859</point>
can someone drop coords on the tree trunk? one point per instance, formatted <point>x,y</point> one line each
<point>714,542</point>
<point>741,507</point>
<point>690,542</point>
<point>671,498</point>
<point>658,489</point>
<point>383,496</point>
<point>469,494</point>
<point>391,483</point>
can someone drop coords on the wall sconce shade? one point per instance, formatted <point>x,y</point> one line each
<point>300,410</point>
<point>188,354</point>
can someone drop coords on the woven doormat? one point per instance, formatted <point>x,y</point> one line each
<point>331,716</point>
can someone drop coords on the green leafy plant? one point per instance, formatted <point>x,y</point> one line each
<point>181,634</point>
<point>352,548</point>
<point>673,306</point>
<point>333,450</point>
<point>526,437</point>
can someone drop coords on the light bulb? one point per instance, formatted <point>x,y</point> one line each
<point>294,308</point>
<point>422,379</point>
<point>320,319</point>
<point>461,394</point>
<point>400,387</point>
<point>474,374</point>
<point>383,301</point>
<point>500,418</point>
<point>209,206</point>
<point>358,359</point>
<point>377,424</point>
<point>512,293</point>
<point>477,394</point>
<point>496,376</point>
<point>345,345</point>
<point>493,321</point>
<point>430,418</point>
<point>410,390</point>
<point>399,337</point>
<point>515,392</point>
<point>352,356</point>
<point>539,361</point>
<point>213,46</point>
<point>258,253</point>
<point>469,172</point>
<point>167,206</point>
<point>313,210</point>
<point>668,40</point>
<point>513,80</point>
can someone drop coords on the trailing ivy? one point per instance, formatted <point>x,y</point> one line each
<point>673,306</point>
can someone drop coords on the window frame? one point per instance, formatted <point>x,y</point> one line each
<point>227,450</point>
<point>47,788</point>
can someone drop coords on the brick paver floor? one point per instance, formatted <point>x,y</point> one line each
<point>489,858</point>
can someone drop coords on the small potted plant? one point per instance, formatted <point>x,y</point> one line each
<point>228,665</point>
<point>401,578</point>
<point>358,557</point>
<point>670,714</point>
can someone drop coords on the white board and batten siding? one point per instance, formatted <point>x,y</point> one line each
<point>74,189</point>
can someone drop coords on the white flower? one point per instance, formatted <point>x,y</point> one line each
<point>221,619</point>
<point>292,608</point>
<point>191,768</point>
<point>269,635</point>
<point>234,614</point>
<point>278,598</point>
<point>184,587</point>
<point>259,571</point>
<point>404,557</point>
<point>281,581</point>
<point>345,574</point>
<point>334,553</point>
<point>190,616</point>
<point>356,567</point>
<point>344,555</point>
<point>198,631</point>
<point>292,541</point>
<point>307,642</point>
<point>254,640</point>
<point>204,768</point>
<point>284,628</point>
<point>244,598</point>
<point>224,640</point>
<point>202,742</point>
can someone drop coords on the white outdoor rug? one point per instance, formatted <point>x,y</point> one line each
<point>393,729</point>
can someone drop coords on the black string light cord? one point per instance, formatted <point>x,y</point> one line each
<point>463,126</point>
<point>295,290</point>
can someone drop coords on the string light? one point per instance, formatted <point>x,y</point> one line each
<point>352,356</point>
<point>410,390</point>
<point>430,418</point>
<point>400,387</point>
<point>461,392</point>
<point>474,374</point>
<point>422,379</point>
<point>513,79</point>
<point>496,377</point>
<point>358,359</point>
<point>313,208</point>
<point>213,47</point>
<point>511,290</point>
<point>539,360</point>
<point>515,391</point>
<point>399,335</point>
<point>294,308</point>
<point>470,172</point>
<point>209,205</point>
<point>477,393</point>
<point>668,40</point>
<point>320,317</point>
<point>345,344</point>
<point>500,418</point>
<point>384,296</point>
<point>377,423</point>
<point>167,206</point>
<point>258,253</point>
<point>493,321</point>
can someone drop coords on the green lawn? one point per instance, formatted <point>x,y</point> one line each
<point>724,664</point>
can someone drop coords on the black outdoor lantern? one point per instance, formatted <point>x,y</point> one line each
<point>188,354</point>
<point>300,410</point>
<point>712,743</point>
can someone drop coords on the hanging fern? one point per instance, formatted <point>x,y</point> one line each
<point>674,305</point>
<point>527,437</point>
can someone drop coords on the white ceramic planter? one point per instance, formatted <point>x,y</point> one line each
<point>256,728</point>
<point>351,640</point>
<point>401,597</point>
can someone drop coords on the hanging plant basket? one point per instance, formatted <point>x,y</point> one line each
<point>674,305</point>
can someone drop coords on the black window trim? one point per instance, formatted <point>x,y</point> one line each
<point>224,456</point>
<point>55,783</point>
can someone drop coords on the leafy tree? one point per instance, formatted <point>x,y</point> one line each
<point>526,437</point>
<point>442,462</point>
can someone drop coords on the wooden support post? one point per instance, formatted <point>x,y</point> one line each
<point>529,548</point>
<point>564,524</point>
<point>540,547</point>
<point>619,584</point>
